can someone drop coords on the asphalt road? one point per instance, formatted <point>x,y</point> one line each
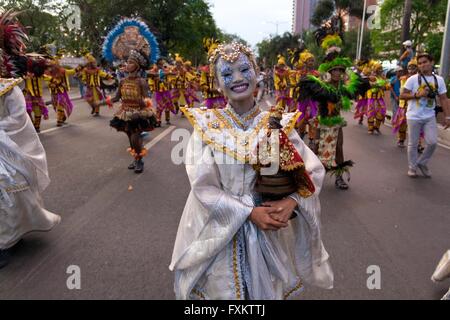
<point>122,240</point>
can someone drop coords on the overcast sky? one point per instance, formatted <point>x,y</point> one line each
<point>253,20</point>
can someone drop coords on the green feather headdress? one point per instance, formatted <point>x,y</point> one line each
<point>336,63</point>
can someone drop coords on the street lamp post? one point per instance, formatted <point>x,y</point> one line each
<point>276,23</point>
<point>445,55</point>
<point>361,38</point>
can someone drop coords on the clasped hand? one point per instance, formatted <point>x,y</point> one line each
<point>273,215</point>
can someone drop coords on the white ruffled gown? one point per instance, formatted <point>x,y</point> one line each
<point>219,253</point>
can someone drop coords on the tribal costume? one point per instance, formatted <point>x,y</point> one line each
<point>281,82</point>
<point>35,104</point>
<point>376,107</point>
<point>399,122</point>
<point>59,85</point>
<point>190,85</point>
<point>161,89</point>
<point>333,95</point>
<point>135,114</point>
<point>213,99</point>
<point>304,62</point>
<point>361,104</point>
<point>91,76</point>
<point>23,163</point>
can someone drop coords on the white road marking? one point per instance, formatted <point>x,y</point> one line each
<point>159,137</point>
<point>54,129</point>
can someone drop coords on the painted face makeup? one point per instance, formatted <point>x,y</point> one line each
<point>237,80</point>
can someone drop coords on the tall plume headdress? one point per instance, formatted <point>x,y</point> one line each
<point>131,37</point>
<point>329,37</point>
<point>13,39</point>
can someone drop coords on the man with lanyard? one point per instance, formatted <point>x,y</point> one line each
<point>423,92</point>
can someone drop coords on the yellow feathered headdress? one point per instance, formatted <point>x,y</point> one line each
<point>90,58</point>
<point>210,45</point>
<point>413,62</point>
<point>178,58</point>
<point>281,60</point>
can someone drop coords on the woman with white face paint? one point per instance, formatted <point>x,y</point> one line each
<point>230,246</point>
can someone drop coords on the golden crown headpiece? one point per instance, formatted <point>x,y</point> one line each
<point>231,53</point>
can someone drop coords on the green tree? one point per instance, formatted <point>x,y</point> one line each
<point>269,49</point>
<point>426,20</point>
<point>179,25</point>
<point>327,8</point>
<point>42,20</point>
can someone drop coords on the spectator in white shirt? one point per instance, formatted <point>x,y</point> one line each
<point>424,92</point>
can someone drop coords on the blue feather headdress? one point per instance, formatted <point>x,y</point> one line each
<point>117,46</point>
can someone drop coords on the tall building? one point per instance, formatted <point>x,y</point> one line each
<point>302,14</point>
<point>355,22</point>
<point>303,11</point>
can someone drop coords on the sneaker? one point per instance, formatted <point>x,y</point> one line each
<point>401,144</point>
<point>377,131</point>
<point>139,166</point>
<point>132,166</point>
<point>425,171</point>
<point>412,173</point>
<point>370,132</point>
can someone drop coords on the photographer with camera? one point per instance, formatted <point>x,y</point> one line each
<point>426,95</point>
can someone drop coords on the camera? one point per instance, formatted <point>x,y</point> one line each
<point>432,95</point>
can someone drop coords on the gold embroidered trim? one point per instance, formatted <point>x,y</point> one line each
<point>293,290</point>
<point>235,270</point>
<point>198,294</point>
<point>237,136</point>
<point>291,123</point>
<point>17,188</point>
<point>10,84</point>
<point>238,121</point>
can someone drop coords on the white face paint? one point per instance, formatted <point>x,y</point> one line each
<point>237,80</point>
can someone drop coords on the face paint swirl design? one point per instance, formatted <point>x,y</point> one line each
<point>242,65</point>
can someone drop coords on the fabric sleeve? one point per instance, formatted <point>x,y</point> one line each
<point>212,216</point>
<point>442,86</point>
<point>409,85</point>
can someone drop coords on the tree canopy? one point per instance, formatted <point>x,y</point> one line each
<point>428,18</point>
<point>179,25</point>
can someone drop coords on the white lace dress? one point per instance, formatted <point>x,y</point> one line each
<point>219,253</point>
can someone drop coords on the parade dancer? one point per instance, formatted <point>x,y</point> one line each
<point>399,122</point>
<point>333,94</point>
<point>226,246</point>
<point>213,99</point>
<point>178,83</point>
<point>59,85</point>
<point>376,107</point>
<point>361,104</point>
<point>23,163</point>
<point>91,75</point>
<point>35,104</point>
<point>304,61</point>
<point>281,82</point>
<point>190,85</point>
<point>160,87</point>
<point>135,115</point>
